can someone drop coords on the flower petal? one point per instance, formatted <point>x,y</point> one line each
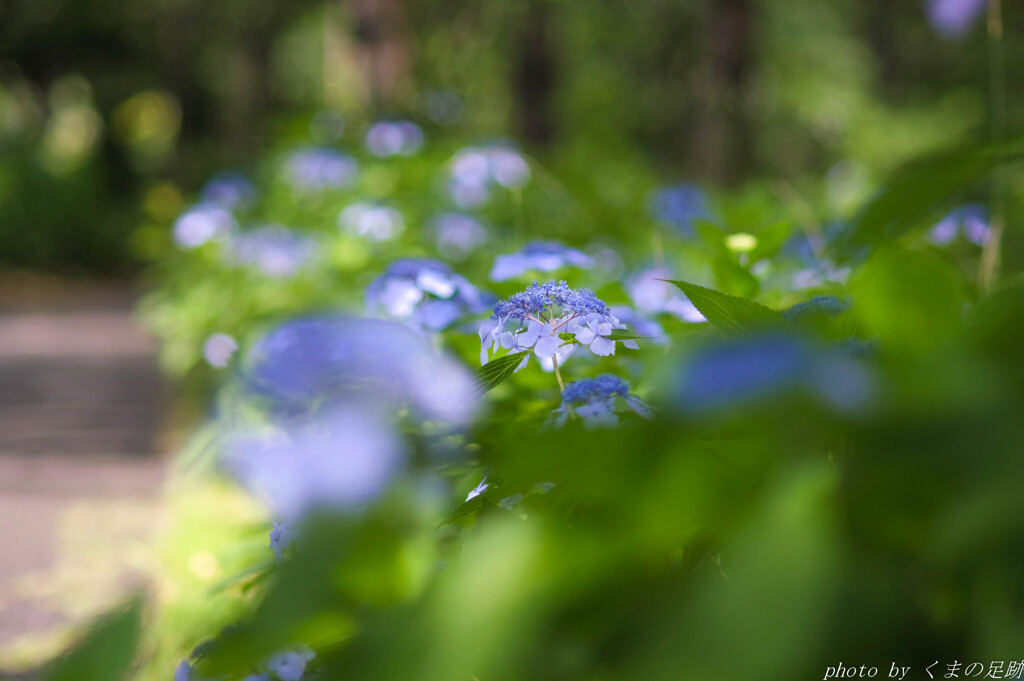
<point>602,347</point>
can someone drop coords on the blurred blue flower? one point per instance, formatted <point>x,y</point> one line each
<point>971,220</point>
<point>593,400</point>
<point>818,306</point>
<point>425,293</point>
<point>394,138</point>
<point>541,314</point>
<point>274,250</point>
<point>183,672</point>
<point>954,18</point>
<point>679,206</point>
<point>202,223</point>
<point>371,220</point>
<point>229,190</point>
<point>457,235</point>
<point>340,460</point>
<point>740,372</point>
<point>218,349</point>
<point>320,168</point>
<point>475,169</point>
<point>290,666</point>
<point>321,361</point>
<point>652,295</point>
<point>281,537</point>
<point>539,256</point>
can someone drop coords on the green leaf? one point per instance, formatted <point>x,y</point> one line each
<point>106,652</point>
<point>257,572</point>
<point>711,234</point>
<point>566,336</point>
<point>497,370</point>
<point>915,192</point>
<point>729,313</point>
<point>464,509</point>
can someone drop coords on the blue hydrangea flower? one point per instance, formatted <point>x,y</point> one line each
<point>394,138</point>
<point>321,361</point>
<point>202,223</point>
<point>751,370</point>
<point>373,221</point>
<point>281,537</point>
<point>539,256</point>
<point>593,400</point>
<point>320,168</point>
<point>540,314</point>
<point>219,349</point>
<point>475,169</point>
<point>229,190</point>
<point>291,665</point>
<point>652,295</point>
<point>425,293</point>
<point>183,672</point>
<point>457,235</point>
<point>274,250</point>
<point>679,206</point>
<point>953,18</point>
<point>970,220</point>
<point>340,460</point>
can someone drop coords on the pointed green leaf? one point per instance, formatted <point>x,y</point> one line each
<point>729,313</point>
<point>497,370</point>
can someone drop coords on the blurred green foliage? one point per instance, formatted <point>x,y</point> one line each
<point>717,92</point>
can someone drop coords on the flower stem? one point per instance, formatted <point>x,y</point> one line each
<point>561,385</point>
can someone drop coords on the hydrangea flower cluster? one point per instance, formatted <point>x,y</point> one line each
<point>320,168</point>
<point>321,362</point>
<point>275,250</point>
<point>475,169</point>
<point>540,256</point>
<point>202,223</point>
<point>457,234</point>
<point>371,220</point>
<point>423,292</point>
<point>769,366</point>
<point>679,206</point>
<point>970,220</point>
<point>229,190</point>
<point>593,400</point>
<point>394,138</point>
<point>542,313</point>
<point>219,349</point>
<point>339,461</point>
<point>953,18</point>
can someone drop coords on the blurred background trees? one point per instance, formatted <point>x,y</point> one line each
<point>110,112</point>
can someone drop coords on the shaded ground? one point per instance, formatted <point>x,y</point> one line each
<point>81,404</point>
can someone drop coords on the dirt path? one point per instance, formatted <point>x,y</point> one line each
<point>81,402</point>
